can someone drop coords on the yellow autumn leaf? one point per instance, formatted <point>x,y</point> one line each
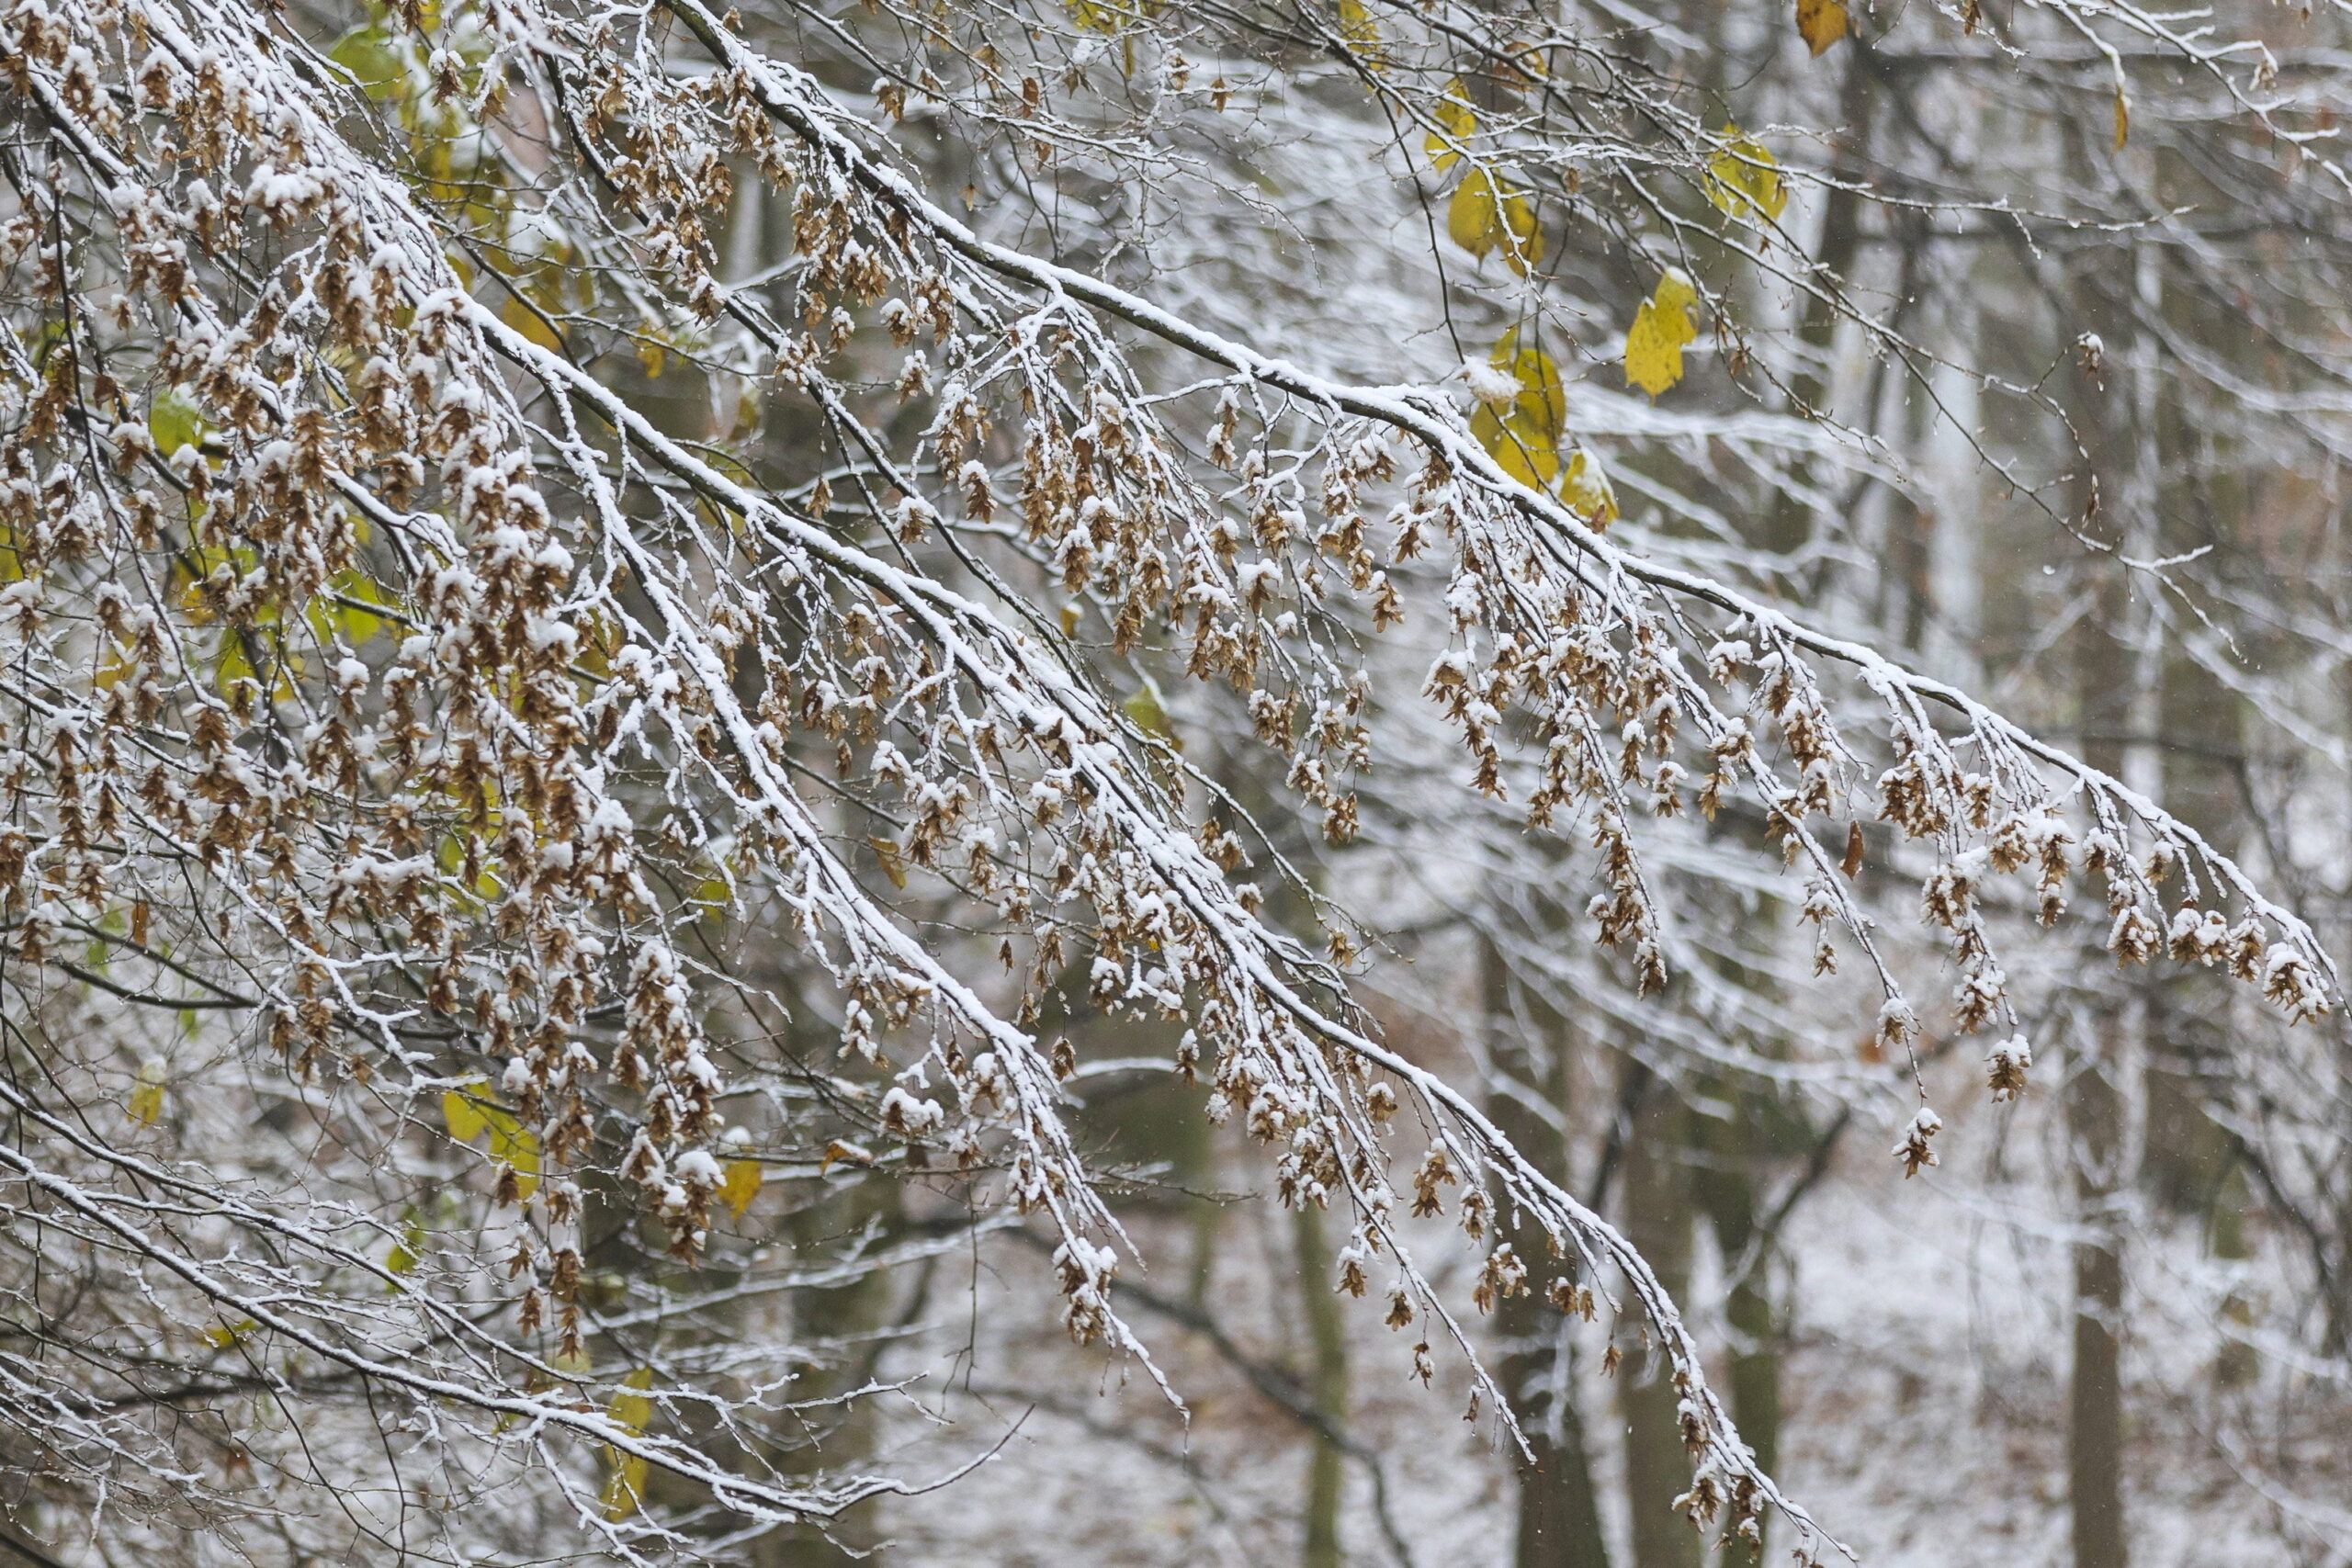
<point>220,1336</point>
<point>1456,124</point>
<point>2123,120</point>
<point>469,1111</point>
<point>146,1102</point>
<point>715,895</point>
<point>111,669</point>
<point>1488,213</point>
<point>333,611</point>
<point>531,323</point>
<point>1470,220</point>
<point>194,568</point>
<point>892,856</point>
<point>1143,709</point>
<point>1820,23</point>
<point>1661,327</point>
<point>1362,33</point>
<point>515,1146</point>
<point>631,1411</point>
<point>409,1250</point>
<point>1586,488</point>
<point>460,1110</point>
<point>599,640</point>
<point>1524,433</point>
<point>624,1485</point>
<point>1523,237</point>
<point>1744,179</point>
<point>740,1184</point>
<point>235,664</point>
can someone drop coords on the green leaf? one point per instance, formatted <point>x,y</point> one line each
<point>373,59</point>
<point>175,422</point>
<point>1143,709</point>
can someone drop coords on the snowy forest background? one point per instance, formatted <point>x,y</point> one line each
<point>2024,359</point>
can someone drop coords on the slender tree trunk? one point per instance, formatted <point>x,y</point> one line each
<point>1657,1222</point>
<point>1788,525</point>
<point>1559,1517</point>
<point>842,1434</point>
<point>1326,1387</point>
<point>2112,499</point>
<point>1727,1191</point>
<point>2094,1403</point>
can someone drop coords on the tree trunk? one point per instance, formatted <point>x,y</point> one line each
<point>1728,1192</point>
<point>1657,1222</point>
<point>2110,495</point>
<point>1559,1517</point>
<point>1326,1387</point>
<point>2094,1404</point>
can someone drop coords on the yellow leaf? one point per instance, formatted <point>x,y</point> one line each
<point>1144,709</point>
<point>112,668</point>
<point>460,1110</point>
<point>146,1102</point>
<point>716,897</point>
<point>1487,213</point>
<point>1524,434</point>
<point>599,640</point>
<point>742,1184</point>
<point>625,1480</point>
<point>329,615</point>
<point>1744,179</point>
<point>893,859</point>
<point>220,1336</point>
<point>624,1486</point>
<point>1112,15</point>
<point>407,1251</point>
<point>1523,236</point>
<point>515,1146</point>
<point>1470,220</point>
<point>1457,124</point>
<point>2123,120</point>
<point>1586,488</point>
<point>630,1410</point>
<point>471,1111</point>
<point>236,664</point>
<point>1362,33</point>
<point>1820,23</point>
<point>852,1154</point>
<point>1661,327</point>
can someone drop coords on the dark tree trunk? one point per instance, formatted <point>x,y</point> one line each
<point>1558,1516</point>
